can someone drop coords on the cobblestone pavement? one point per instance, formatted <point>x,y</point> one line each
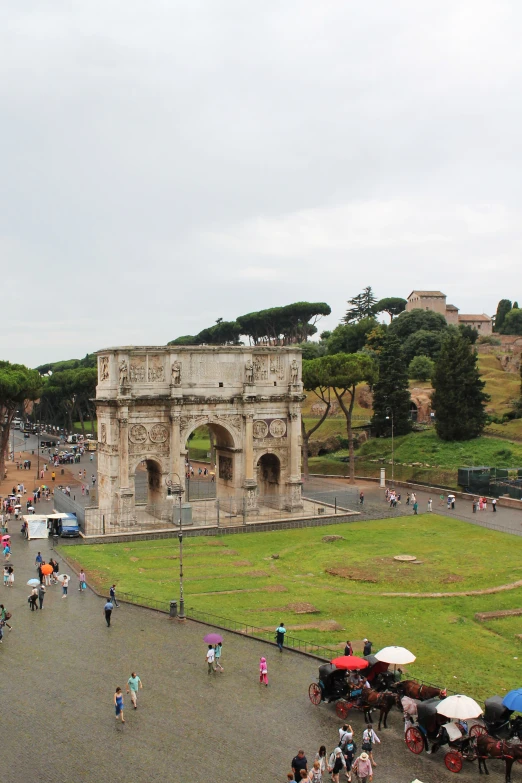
<point>60,667</point>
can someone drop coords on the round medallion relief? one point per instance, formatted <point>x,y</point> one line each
<point>158,433</point>
<point>138,433</point>
<point>277,428</point>
<point>260,429</point>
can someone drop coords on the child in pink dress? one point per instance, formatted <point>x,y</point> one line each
<point>263,671</point>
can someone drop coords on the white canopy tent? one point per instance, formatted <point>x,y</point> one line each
<point>36,526</point>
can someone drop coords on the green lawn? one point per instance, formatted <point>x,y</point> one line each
<point>236,577</point>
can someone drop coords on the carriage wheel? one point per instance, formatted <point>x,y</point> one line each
<point>477,730</point>
<point>414,740</point>
<point>342,709</point>
<point>453,761</point>
<point>315,693</point>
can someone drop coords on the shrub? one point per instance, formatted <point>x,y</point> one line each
<point>488,339</point>
<point>420,368</point>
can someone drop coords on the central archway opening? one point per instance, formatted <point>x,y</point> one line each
<point>269,479</point>
<point>210,463</point>
<point>147,483</point>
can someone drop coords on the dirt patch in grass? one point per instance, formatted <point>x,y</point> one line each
<point>303,608</point>
<point>354,574</point>
<point>215,542</point>
<point>229,552</point>
<point>134,559</point>
<point>329,539</point>
<point>321,625</point>
<point>275,589</point>
<point>257,574</point>
<point>451,578</point>
<point>241,563</point>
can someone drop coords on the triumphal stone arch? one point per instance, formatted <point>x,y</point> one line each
<point>150,399</point>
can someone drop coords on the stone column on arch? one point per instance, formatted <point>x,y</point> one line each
<point>250,481</point>
<point>175,447</point>
<point>125,493</point>
<point>294,483</point>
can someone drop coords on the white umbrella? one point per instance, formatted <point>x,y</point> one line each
<point>33,582</point>
<point>459,708</point>
<point>395,655</point>
<point>61,577</point>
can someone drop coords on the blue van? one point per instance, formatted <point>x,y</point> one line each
<point>69,526</point>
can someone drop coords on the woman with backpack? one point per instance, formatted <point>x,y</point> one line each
<point>336,764</point>
<point>369,738</point>
<point>315,775</point>
<point>320,756</point>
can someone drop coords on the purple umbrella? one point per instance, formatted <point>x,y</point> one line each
<point>212,638</point>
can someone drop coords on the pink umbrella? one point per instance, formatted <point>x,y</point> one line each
<point>5,538</point>
<point>213,638</point>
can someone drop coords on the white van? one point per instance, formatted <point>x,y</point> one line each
<point>72,439</point>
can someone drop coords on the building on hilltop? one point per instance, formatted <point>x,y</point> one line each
<point>436,301</point>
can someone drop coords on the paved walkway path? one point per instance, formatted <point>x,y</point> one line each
<point>60,667</point>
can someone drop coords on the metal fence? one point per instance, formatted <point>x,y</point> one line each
<point>228,511</point>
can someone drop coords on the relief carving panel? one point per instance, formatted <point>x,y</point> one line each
<point>156,368</point>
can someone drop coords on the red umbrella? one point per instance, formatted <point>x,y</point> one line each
<point>350,663</point>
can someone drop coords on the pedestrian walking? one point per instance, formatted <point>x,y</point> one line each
<point>6,576</point>
<point>474,506</point>
<point>369,739</point>
<point>315,775</point>
<point>348,650</point>
<point>367,647</point>
<point>362,767</point>
<point>65,585</point>
<point>299,762</point>
<point>82,584</point>
<point>134,683</point>
<point>280,636</point>
<point>32,600</point>
<point>361,498</point>
<point>41,595</point>
<point>494,505</point>
<point>108,612</point>
<point>217,656</point>
<point>38,560</point>
<point>210,658</point>
<point>408,499</point>
<point>415,507</point>
<point>320,756</point>
<point>7,552</point>
<point>263,672</point>
<point>53,476</point>
<point>112,593</point>
<point>430,504</point>
<point>5,616</point>
<point>336,764</point>
<point>118,704</point>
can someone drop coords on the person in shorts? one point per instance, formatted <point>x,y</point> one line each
<point>134,683</point>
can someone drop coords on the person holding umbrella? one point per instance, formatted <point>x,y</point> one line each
<point>217,656</point>
<point>215,641</point>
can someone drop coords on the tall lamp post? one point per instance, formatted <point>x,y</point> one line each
<point>390,416</point>
<point>177,491</point>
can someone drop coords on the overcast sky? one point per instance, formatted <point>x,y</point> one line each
<point>168,163</point>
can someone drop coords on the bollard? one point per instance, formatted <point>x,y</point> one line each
<point>55,542</point>
<point>173,609</point>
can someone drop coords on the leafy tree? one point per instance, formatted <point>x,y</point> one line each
<point>391,393</point>
<point>422,343</point>
<point>375,339</point>
<point>343,372</point>
<point>362,306</point>
<point>512,322</point>
<point>469,333</point>
<point>414,320</point>
<point>313,379</point>
<point>19,386</point>
<point>350,338</point>
<point>503,308</point>
<point>515,306</point>
<point>186,339</point>
<point>393,305</point>
<point>293,323</point>
<point>313,350</point>
<point>420,368</point>
<point>458,399</point>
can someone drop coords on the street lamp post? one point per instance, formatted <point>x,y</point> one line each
<point>390,411</point>
<point>177,490</point>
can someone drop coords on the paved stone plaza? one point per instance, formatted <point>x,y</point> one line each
<point>61,666</point>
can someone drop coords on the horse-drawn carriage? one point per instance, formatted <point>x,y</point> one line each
<point>432,726</point>
<point>349,692</point>
<point>497,721</point>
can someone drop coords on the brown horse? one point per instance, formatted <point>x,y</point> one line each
<point>490,748</point>
<point>422,692</point>
<point>382,701</point>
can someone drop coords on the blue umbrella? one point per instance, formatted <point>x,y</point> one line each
<point>513,700</point>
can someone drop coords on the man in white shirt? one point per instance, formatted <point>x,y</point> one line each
<point>210,657</point>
